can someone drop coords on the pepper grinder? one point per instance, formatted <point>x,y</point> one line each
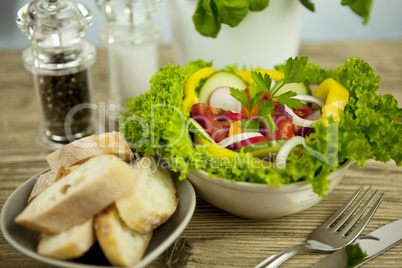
<point>59,60</point>
<point>131,38</point>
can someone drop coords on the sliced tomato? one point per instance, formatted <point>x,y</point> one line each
<point>285,131</point>
<point>205,116</point>
<point>306,112</point>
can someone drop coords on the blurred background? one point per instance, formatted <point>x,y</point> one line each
<point>331,22</point>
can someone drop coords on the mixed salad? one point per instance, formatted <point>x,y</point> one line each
<point>298,122</point>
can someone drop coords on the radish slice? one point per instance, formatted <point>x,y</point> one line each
<point>297,120</point>
<point>284,152</point>
<point>238,138</point>
<point>313,86</point>
<point>221,98</point>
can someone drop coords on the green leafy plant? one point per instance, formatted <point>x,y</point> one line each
<point>211,14</point>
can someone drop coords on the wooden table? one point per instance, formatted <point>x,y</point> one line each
<point>213,238</point>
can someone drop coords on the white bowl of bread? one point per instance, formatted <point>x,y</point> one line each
<point>97,193</point>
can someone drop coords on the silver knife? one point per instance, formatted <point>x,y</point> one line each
<point>365,248</point>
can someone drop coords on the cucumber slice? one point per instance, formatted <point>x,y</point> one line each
<point>298,88</point>
<point>220,79</point>
<point>198,130</point>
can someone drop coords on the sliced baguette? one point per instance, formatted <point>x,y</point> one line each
<point>121,245</point>
<point>44,181</point>
<point>81,150</point>
<point>48,178</point>
<point>152,201</point>
<point>80,195</point>
<point>70,244</point>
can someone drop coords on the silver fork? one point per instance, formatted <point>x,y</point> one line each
<point>329,236</point>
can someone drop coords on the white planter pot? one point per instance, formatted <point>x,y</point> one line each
<point>262,39</point>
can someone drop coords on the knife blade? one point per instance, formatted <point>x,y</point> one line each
<point>366,248</point>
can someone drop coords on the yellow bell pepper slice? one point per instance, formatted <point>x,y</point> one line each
<point>221,152</point>
<point>214,149</point>
<point>274,74</point>
<point>336,97</point>
<point>190,97</point>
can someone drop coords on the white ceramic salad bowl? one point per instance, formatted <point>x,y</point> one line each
<point>189,120</point>
<point>259,201</point>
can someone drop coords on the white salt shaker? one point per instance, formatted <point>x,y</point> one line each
<point>132,39</point>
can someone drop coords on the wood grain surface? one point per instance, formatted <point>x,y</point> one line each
<point>213,238</point>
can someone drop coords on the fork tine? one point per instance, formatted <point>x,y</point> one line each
<point>358,215</point>
<point>360,227</point>
<point>340,211</point>
<point>352,210</point>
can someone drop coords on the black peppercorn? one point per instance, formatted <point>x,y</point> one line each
<point>59,94</point>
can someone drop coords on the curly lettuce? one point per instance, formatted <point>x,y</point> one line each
<point>156,123</point>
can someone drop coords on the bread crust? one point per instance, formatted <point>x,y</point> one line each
<point>79,196</point>
<point>48,178</point>
<point>81,150</point>
<point>70,244</point>
<point>143,209</point>
<point>121,245</point>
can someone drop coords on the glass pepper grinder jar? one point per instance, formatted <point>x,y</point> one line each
<point>59,60</point>
<point>131,38</point>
